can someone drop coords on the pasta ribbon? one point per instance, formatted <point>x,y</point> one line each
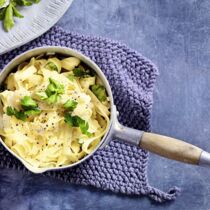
<point>63,131</point>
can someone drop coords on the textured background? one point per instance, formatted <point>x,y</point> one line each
<point>175,36</point>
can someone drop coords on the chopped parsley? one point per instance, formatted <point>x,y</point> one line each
<point>28,103</point>
<point>32,112</point>
<point>76,121</point>
<point>29,106</point>
<point>81,72</point>
<point>52,93</point>
<point>71,77</point>
<point>14,112</point>
<point>99,91</point>
<point>42,95</point>
<point>70,105</point>
<point>51,66</point>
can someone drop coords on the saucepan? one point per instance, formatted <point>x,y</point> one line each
<point>161,145</point>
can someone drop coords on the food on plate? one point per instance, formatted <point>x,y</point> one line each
<point>54,111</point>
<point>9,10</point>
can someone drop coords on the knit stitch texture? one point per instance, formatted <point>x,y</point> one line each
<point>118,167</point>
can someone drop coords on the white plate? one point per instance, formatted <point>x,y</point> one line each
<point>38,18</point>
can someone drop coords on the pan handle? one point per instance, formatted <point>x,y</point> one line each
<point>163,145</point>
<point>171,148</point>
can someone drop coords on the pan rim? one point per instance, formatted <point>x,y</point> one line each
<point>68,52</point>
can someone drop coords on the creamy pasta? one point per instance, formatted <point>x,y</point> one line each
<point>53,111</point>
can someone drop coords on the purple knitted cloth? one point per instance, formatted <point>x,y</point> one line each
<point>119,167</point>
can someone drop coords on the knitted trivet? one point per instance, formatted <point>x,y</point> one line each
<point>119,167</point>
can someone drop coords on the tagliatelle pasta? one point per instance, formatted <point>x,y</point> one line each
<point>53,112</point>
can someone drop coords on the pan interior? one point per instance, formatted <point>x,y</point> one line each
<point>62,52</point>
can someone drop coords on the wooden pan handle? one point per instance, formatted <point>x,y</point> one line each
<point>171,148</point>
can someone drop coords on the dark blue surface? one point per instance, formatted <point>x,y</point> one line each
<point>175,35</point>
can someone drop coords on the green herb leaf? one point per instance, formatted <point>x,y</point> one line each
<point>76,121</point>
<point>69,120</point>
<point>2,2</point>
<point>99,91</point>
<point>10,111</point>
<point>36,1</point>
<point>42,95</point>
<point>51,66</point>
<point>28,103</point>
<point>17,13</point>
<point>32,112</point>
<point>30,107</point>
<point>84,126</point>
<point>8,19</point>
<point>71,77</point>
<point>18,114</point>
<point>59,88</point>
<point>78,72</point>
<point>2,13</point>
<point>53,91</point>
<point>81,72</point>
<point>23,2</point>
<point>52,99</point>
<point>7,13</point>
<point>70,105</point>
<point>21,115</point>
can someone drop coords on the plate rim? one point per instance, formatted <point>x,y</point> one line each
<point>42,31</point>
